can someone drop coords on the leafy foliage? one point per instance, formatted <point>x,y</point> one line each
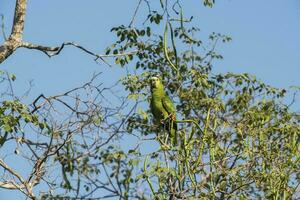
<point>239,137</point>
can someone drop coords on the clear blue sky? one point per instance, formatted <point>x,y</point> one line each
<point>265,43</point>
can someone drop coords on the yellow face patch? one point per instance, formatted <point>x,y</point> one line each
<point>154,81</point>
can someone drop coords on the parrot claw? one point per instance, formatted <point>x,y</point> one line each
<point>172,117</point>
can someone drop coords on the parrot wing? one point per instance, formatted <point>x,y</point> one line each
<point>171,125</point>
<point>168,105</point>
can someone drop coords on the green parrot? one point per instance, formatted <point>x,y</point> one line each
<point>163,108</point>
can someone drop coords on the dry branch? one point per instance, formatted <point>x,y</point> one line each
<point>15,40</point>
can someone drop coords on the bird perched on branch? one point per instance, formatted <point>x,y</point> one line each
<point>163,108</point>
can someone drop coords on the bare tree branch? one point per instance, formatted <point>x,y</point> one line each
<point>19,20</point>
<point>15,38</point>
<point>23,186</point>
<point>53,51</point>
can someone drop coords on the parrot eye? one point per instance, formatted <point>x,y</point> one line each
<point>152,81</point>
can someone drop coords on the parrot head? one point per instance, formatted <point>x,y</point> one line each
<point>155,82</point>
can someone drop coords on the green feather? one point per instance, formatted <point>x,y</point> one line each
<point>163,109</point>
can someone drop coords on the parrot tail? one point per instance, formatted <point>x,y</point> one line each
<point>171,127</point>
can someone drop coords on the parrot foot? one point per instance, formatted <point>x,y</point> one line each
<point>172,117</point>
